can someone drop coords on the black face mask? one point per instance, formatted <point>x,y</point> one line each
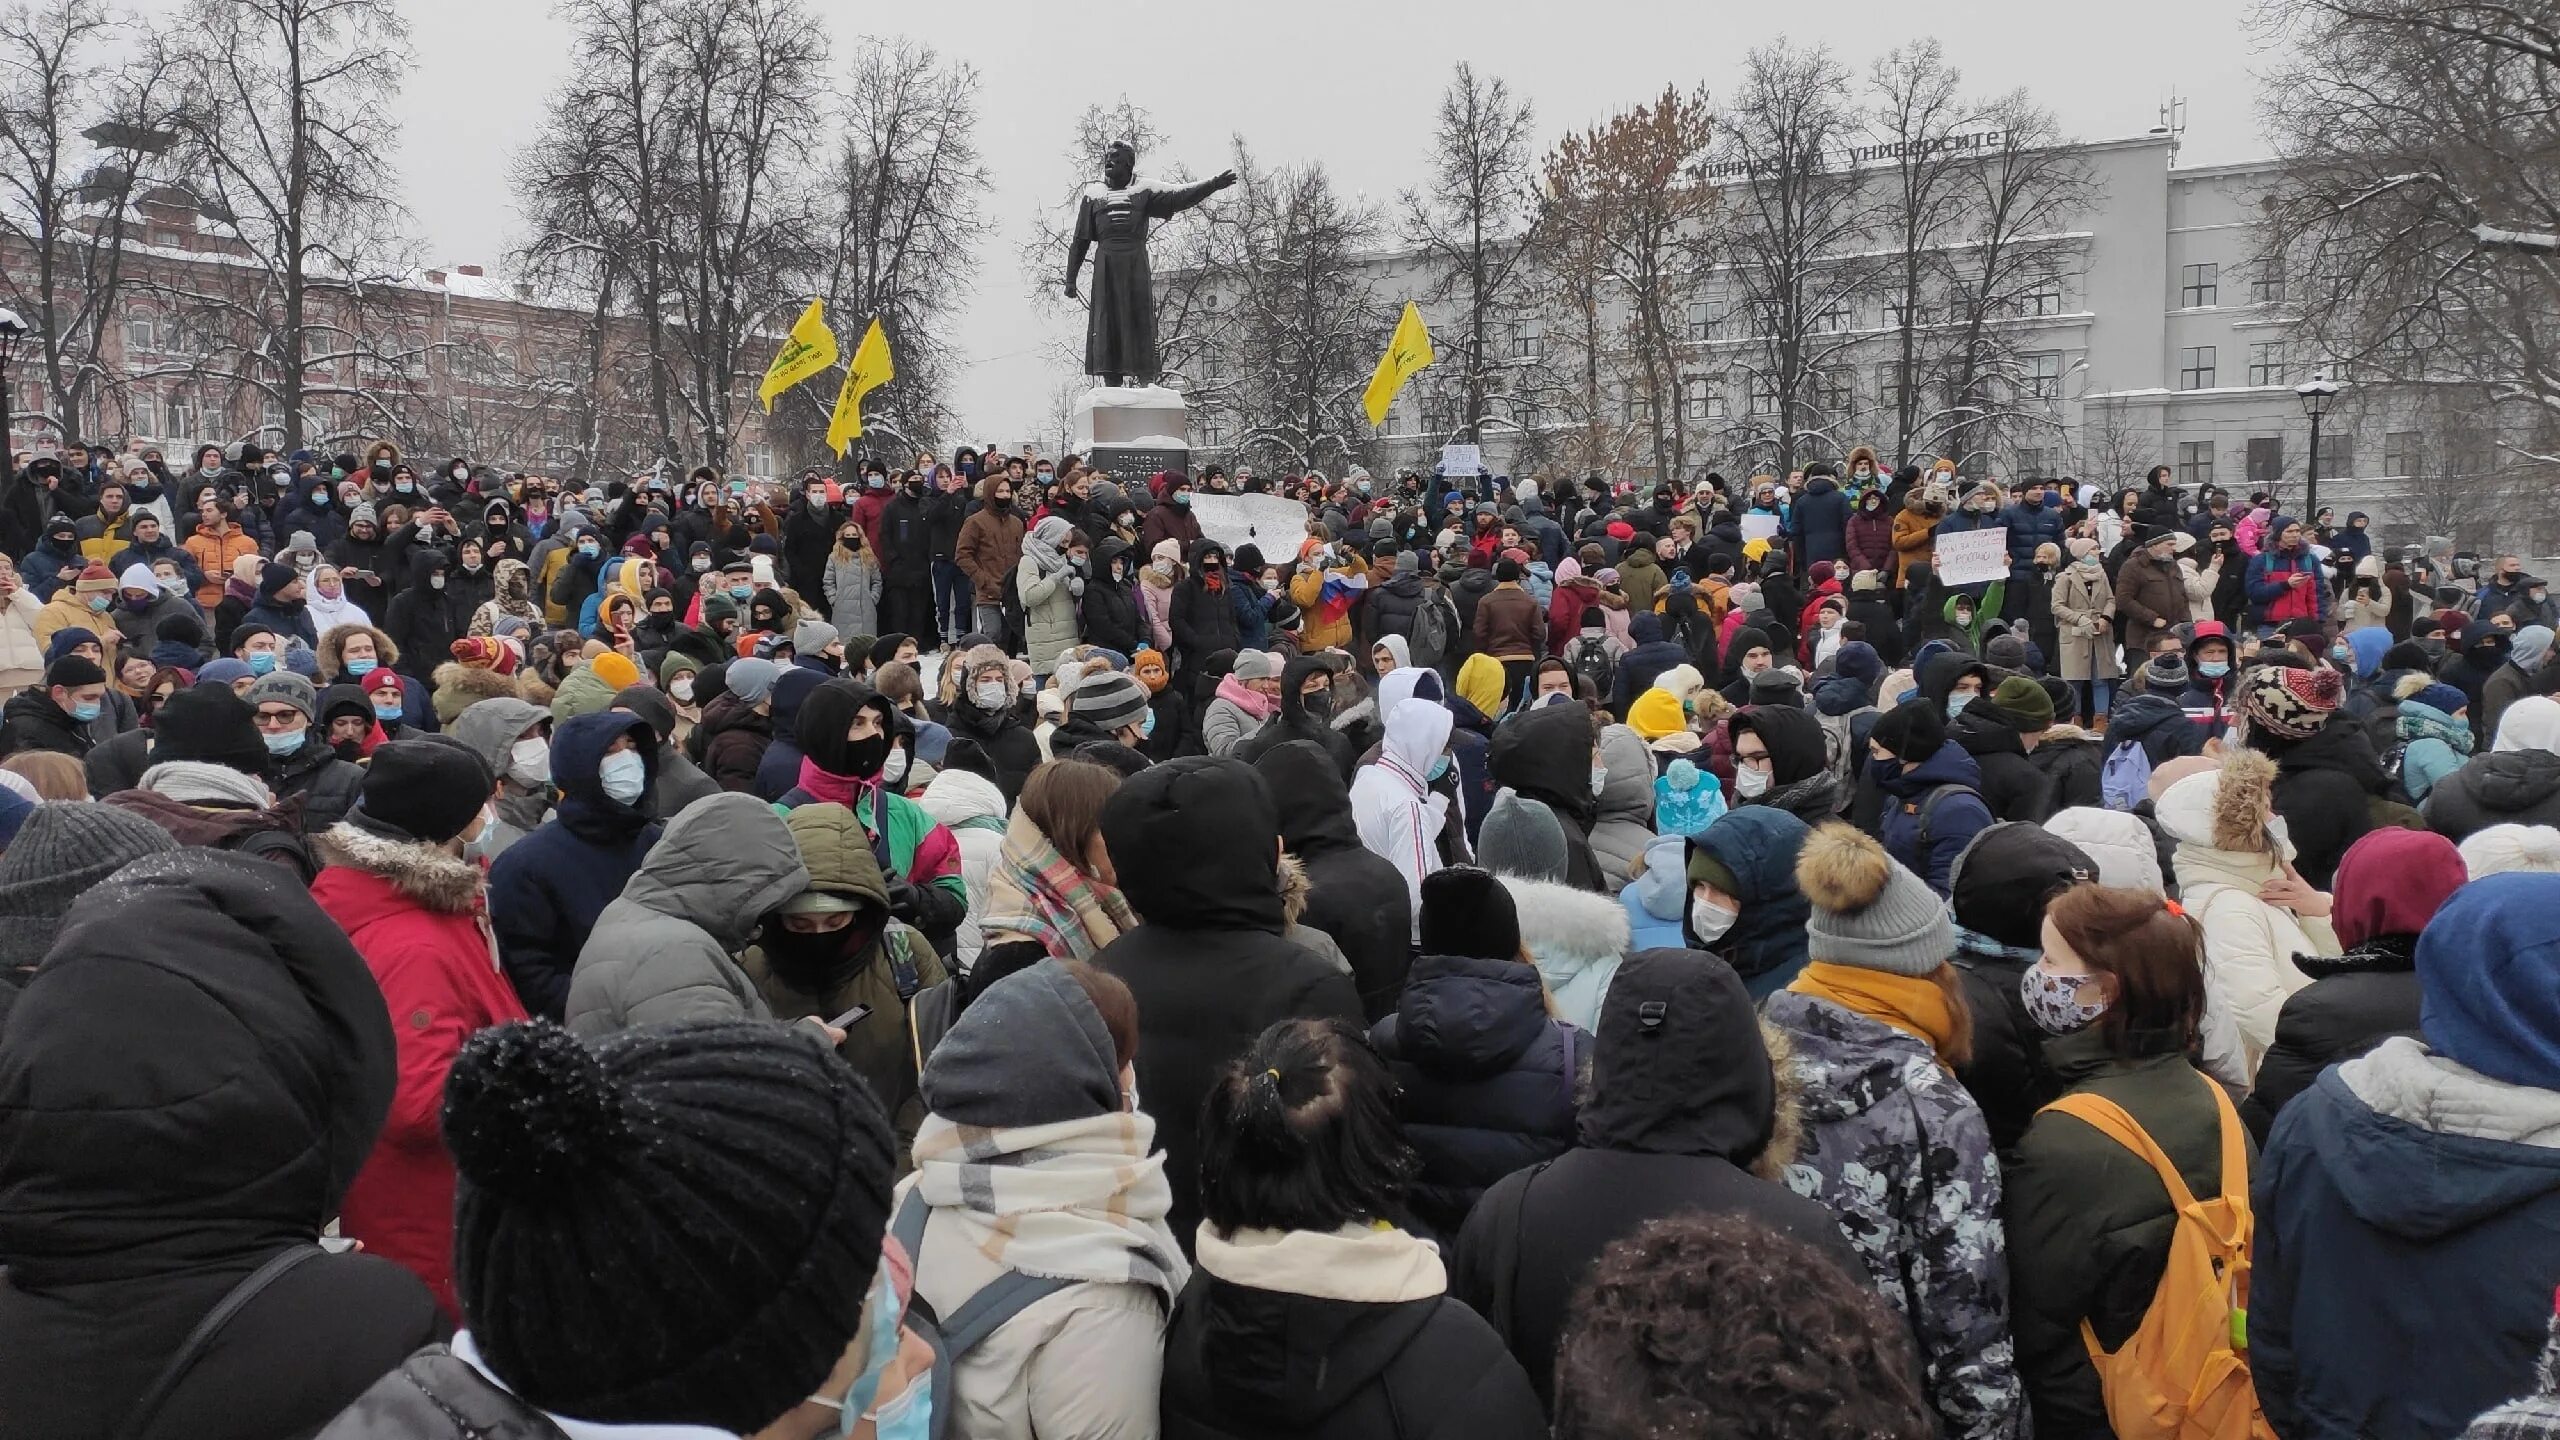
<point>818,964</point>
<point>1319,704</point>
<point>863,758</point>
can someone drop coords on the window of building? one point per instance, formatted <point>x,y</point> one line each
<point>1768,317</point>
<point>271,419</point>
<point>2195,368</point>
<point>1837,395</point>
<point>1764,392</point>
<point>1213,435</point>
<point>1529,342</point>
<point>2199,285</point>
<point>2195,462</point>
<point>2266,363</point>
<point>2043,297</point>
<point>1835,317</point>
<point>2266,461</point>
<point>2044,375</point>
<point>1889,387</point>
<point>139,334</point>
<point>1701,400</point>
<point>1702,323</point>
<point>178,422</point>
<point>2400,453</point>
<point>2267,286</point>
<point>2338,455</point>
<point>2035,462</point>
<point>1896,314</point>
<point>1639,409</point>
<point>760,458</point>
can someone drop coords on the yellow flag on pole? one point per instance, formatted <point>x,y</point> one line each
<point>1407,353</point>
<point>809,350</point>
<point>869,371</point>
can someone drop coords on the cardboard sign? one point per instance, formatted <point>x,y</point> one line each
<point>1461,460</point>
<point>1273,524</point>
<point>1759,527</point>
<point>1974,556</point>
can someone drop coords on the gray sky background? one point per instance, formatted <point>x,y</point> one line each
<point>1354,82</point>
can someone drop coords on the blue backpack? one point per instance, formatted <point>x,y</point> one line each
<point>2125,780</point>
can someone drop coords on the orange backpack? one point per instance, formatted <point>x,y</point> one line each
<point>2184,1373</point>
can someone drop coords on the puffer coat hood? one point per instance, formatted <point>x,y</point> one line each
<point>1680,1067</point>
<point>1759,844</point>
<point>1194,843</point>
<point>721,866</point>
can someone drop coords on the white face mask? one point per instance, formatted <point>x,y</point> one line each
<point>529,762</point>
<point>893,771</point>
<point>623,774</point>
<point>1709,919</point>
<point>682,689</point>
<point>989,694</point>
<point>1749,782</point>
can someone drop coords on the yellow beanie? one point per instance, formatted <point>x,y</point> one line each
<point>1655,714</point>
<point>615,669</point>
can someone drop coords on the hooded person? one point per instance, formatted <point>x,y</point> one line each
<point>1932,790</point>
<point>141,1197</point>
<point>300,765</point>
<point>546,890</point>
<point>725,1186</point>
<point>833,948</point>
<point>1622,821</point>
<point>1485,1079</point>
<point>1356,895</point>
<point>1998,735</point>
<point>1396,809</point>
<point>396,882</point>
<point>1790,765</point>
<point>858,752</point>
<point>1549,755</point>
<point>1305,713</point>
<point>2515,782</point>
<point>973,810</point>
<point>1195,846</point>
<point>737,725</point>
<point>664,949</point>
<point>987,713</point>
<point>2527,652</point>
<point>2002,883</point>
<point>1892,1143</point>
<point>2233,854</point>
<point>2389,885</point>
<point>679,781</point>
<point>1688,1112</point>
<point>1741,902</point>
<point>2423,1167</point>
<point>779,770</point>
<point>1199,614</point>
<point>511,737</point>
<point>1034,1160</point>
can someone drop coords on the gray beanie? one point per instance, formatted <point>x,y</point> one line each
<point>1031,1051</point>
<point>64,848</point>
<point>363,514</point>
<point>1108,699</point>
<point>284,688</point>
<point>1521,838</point>
<point>751,679</point>
<point>2166,672</point>
<point>1868,909</point>
<point>813,636</point>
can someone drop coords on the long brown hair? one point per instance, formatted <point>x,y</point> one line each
<point>1064,799</point>
<point>2154,956</point>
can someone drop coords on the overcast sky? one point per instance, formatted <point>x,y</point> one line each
<point>1353,82</point>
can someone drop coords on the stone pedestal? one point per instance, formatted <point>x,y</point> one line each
<point>1132,431</point>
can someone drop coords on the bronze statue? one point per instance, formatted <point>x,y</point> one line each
<point>1120,329</point>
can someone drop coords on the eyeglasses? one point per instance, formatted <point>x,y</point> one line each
<point>280,719</point>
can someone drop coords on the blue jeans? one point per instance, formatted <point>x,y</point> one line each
<point>951,599</point>
<point>2095,697</point>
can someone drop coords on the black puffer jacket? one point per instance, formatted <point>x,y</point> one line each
<point>1296,722</point>
<point>1009,742</point>
<point>1354,895</point>
<point>1108,609</point>
<point>133,1197</point>
<point>1203,621</point>
<point>1393,605</point>
<point>438,1396</point>
<point>1546,755</point>
<point>1195,843</point>
<point>2324,789</point>
<point>328,785</point>
<point>1684,1115</point>
<point>2011,784</point>
<point>1485,1081</point>
<point>2509,787</point>
<point>2354,1002</point>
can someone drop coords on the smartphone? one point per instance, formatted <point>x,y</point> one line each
<point>850,1018</point>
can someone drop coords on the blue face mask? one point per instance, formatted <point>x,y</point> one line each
<point>285,744</point>
<point>1957,702</point>
<point>262,662</point>
<point>1146,723</point>
<point>742,592</point>
<point>389,711</point>
<point>2213,669</point>
<point>1182,498</point>
<point>1439,768</point>
<point>85,711</point>
<point>360,668</point>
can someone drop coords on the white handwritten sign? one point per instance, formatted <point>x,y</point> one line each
<point>1973,556</point>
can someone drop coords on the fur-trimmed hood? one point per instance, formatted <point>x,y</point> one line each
<point>1786,1125</point>
<point>1295,887</point>
<point>460,686</point>
<point>427,874</point>
<point>332,648</point>
<point>2222,809</point>
<point>1566,930</point>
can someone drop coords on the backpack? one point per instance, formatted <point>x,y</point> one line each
<point>1589,660</point>
<point>2395,761</point>
<point>1435,630</point>
<point>2125,780</point>
<point>1927,807</point>
<point>2184,1372</point>
<point>978,1317</point>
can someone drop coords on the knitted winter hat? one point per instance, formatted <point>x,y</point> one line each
<point>210,724</point>
<point>2288,702</point>
<point>1686,800</point>
<point>427,789</point>
<point>2026,700</point>
<point>68,639</point>
<point>1705,868</point>
<point>751,680</point>
<point>1468,912</point>
<point>2166,674</point>
<point>1254,665</point>
<point>62,849</point>
<point>95,579</point>
<point>1523,838</point>
<point>615,669</point>
<point>485,652</point>
<point>1866,580</point>
<point>1868,910</point>
<point>73,671</point>
<point>2440,696</point>
<point>1109,700</point>
<point>1655,714</point>
<point>2492,851</point>
<point>813,636</point>
<point>727,1180</point>
<point>1911,730</point>
<point>283,689</point>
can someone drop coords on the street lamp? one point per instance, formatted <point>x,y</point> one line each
<point>2317,394</point>
<point>13,332</point>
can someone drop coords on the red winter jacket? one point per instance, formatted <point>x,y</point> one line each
<point>419,917</point>
<point>1870,541</point>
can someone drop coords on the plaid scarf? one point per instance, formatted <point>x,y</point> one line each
<point>1034,894</point>
<point>1076,1200</point>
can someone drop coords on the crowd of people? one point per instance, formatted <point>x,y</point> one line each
<point>964,951</point>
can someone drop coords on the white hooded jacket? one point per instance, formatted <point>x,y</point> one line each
<point>1392,803</point>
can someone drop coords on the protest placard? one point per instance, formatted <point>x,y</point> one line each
<point>1973,556</point>
<point>1759,527</point>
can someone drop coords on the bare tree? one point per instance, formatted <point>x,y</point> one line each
<point>2418,218</point>
<point>79,138</point>
<point>1307,326</point>
<point>1921,113</point>
<point>905,191</point>
<point>1794,229</point>
<point>1635,186</point>
<point>284,140</point>
<point>1470,227</point>
<point>1573,280</point>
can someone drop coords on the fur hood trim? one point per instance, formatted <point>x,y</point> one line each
<point>447,884</point>
<point>333,643</point>
<point>1558,921</point>
<point>2241,799</point>
<point>472,684</point>
<point>1295,887</point>
<point>1786,1125</point>
<point>531,688</point>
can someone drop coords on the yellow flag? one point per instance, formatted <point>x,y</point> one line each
<point>869,371</point>
<point>809,351</point>
<point>1407,353</point>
